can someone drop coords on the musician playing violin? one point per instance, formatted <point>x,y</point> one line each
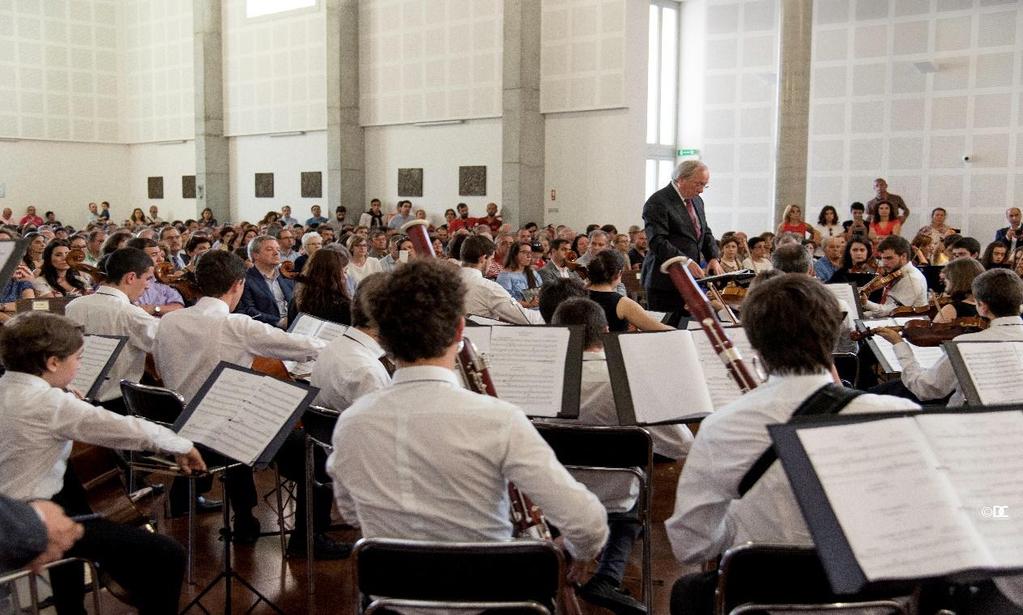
<point>909,289</point>
<point>427,459</point>
<point>998,294</point>
<point>38,421</point>
<point>959,276</point>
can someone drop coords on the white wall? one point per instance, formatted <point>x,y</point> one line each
<point>439,151</point>
<point>284,156</point>
<point>874,114</point>
<point>595,159</point>
<point>167,160</point>
<point>64,177</point>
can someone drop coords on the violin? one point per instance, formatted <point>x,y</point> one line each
<point>182,281</point>
<point>879,282</point>
<point>733,294</point>
<point>75,260</point>
<point>925,333</point>
<point>571,265</point>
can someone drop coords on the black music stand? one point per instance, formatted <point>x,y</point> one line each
<point>227,572</point>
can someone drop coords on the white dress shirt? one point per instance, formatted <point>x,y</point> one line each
<point>940,379</point>
<point>357,273</point>
<point>487,298</point>
<point>618,491</point>
<point>348,368</point>
<point>709,517</point>
<point>910,290</point>
<point>38,423</point>
<point>191,342</point>
<point>427,459</point>
<point>108,312</point>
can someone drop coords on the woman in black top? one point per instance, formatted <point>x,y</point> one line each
<point>322,289</point>
<point>622,313</point>
<point>959,275</point>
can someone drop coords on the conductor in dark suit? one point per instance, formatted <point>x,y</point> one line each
<point>267,292</point>
<point>676,225</point>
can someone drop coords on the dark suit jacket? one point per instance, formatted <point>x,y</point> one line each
<point>670,233</point>
<point>22,534</point>
<point>257,300</point>
<point>1000,235</point>
<point>549,273</point>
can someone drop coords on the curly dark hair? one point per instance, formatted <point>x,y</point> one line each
<point>419,308</point>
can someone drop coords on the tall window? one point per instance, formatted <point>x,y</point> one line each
<point>662,93</point>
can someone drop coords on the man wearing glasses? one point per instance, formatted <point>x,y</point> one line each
<point>676,225</point>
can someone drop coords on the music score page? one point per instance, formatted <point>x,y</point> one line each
<point>95,356</point>
<point>988,365</point>
<point>910,493</point>
<point>666,380</point>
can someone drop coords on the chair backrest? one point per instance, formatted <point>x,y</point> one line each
<point>524,570</point>
<point>765,574</point>
<point>599,445</point>
<point>156,404</point>
<point>319,423</point>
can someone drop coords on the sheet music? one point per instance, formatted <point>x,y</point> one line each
<point>313,327</point>
<point>241,414</point>
<point>665,378</point>
<point>847,294</point>
<point>527,365</point>
<point>988,365</point>
<point>981,454</point>
<point>925,356</point>
<point>480,338</point>
<point>901,517</point>
<point>7,249</point>
<point>95,356</point>
<point>722,388</point>
<point>486,322</point>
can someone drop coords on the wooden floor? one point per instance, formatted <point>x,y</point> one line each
<point>284,580</point>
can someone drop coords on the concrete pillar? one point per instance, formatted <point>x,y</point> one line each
<point>346,157</point>
<point>793,105</point>
<point>212,179</point>
<point>522,187</point>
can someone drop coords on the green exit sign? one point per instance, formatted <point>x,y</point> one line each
<point>688,152</point>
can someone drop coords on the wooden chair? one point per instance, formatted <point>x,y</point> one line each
<point>520,576</point>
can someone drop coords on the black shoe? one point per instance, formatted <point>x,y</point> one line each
<point>602,591</point>
<point>324,547</point>
<point>205,504</point>
<point>246,530</point>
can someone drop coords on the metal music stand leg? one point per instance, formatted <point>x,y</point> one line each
<point>227,573</point>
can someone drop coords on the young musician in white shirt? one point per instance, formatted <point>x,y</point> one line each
<point>110,311</point>
<point>910,289</point>
<point>39,421</point>
<point>350,367</point>
<point>485,297</point>
<point>190,343</point>
<point>391,446</point>
<point>792,322</point>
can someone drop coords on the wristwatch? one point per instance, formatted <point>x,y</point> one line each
<point>156,310</point>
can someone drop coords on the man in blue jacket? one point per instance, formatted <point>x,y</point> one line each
<point>267,292</point>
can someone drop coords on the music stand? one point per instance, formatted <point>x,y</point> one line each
<point>227,572</point>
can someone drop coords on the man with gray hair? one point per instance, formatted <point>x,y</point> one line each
<point>267,292</point>
<point>676,225</point>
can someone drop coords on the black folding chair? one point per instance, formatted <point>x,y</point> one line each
<point>318,423</point>
<point>612,449</point>
<point>758,578</point>
<point>518,576</point>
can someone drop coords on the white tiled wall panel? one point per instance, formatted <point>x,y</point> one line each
<point>582,55</point>
<point>156,70</point>
<point>740,105</point>
<point>429,61</point>
<point>275,75</point>
<point>59,70</point>
<point>873,113</point>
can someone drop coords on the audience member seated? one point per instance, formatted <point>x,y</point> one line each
<point>267,292</point>
<point>518,276</point>
<point>56,279</point>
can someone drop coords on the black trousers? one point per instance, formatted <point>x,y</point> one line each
<point>241,486</point>
<point>149,566</point>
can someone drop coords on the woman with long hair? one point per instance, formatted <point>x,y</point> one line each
<point>225,239</point>
<point>605,271</point>
<point>884,224</point>
<point>56,278</point>
<point>856,259</point>
<point>580,244</point>
<point>138,218</point>
<point>518,276</point>
<point>959,276</point>
<point>996,255</point>
<point>206,218</point>
<point>792,222</point>
<point>33,258</point>
<point>828,223</point>
<point>322,289</point>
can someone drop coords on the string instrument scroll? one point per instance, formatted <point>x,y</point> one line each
<point>879,282</point>
<point>526,516</point>
<point>678,270</point>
